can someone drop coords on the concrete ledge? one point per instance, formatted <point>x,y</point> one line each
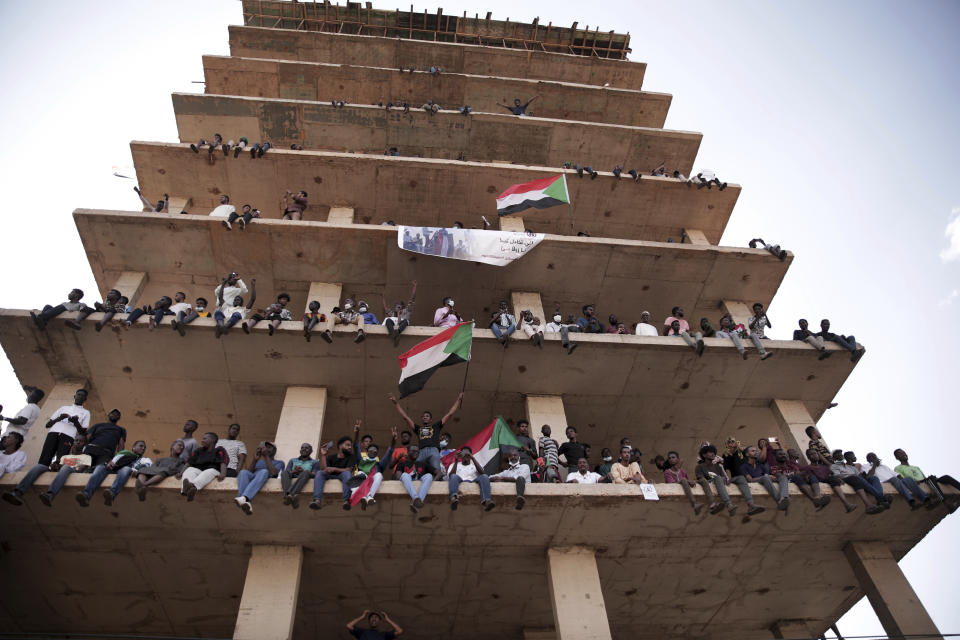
<point>420,191</point>
<point>446,134</point>
<point>295,80</point>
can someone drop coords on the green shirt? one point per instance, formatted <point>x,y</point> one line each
<point>910,471</point>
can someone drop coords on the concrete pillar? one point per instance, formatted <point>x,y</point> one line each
<point>61,394</point>
<point>793,418</point>
<point>528,300</point>
<point>740,311</point>
<point>178,204</point>
<point>695,236</point>
<point>340,215</point>
<point>543,410</point>
<point>578,609</point>
<point>269,602</point>
<point>301,420</point>
<point>511,223</point>
<point>893,599</point>
<point>796,629</point>
<point>131,284</point>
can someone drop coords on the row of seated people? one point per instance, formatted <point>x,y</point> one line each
<point>230,310</point>
<point>73,446</point>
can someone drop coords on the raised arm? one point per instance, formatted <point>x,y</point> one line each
<point>356,432</point>
<point>403,414</point>
<point>453,409</point>
<point>531,100</point>
<point>396,628</point>
<point>353,623</point>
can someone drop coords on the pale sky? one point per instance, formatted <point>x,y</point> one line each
<point>838,118</point>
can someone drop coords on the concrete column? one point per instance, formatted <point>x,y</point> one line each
<point>543,410</point>
<point>61,394</point>
<point>178,204</point>
<point>340,215</point>
<point>740,311</point>
<point>578,609</point>
<point>528,300</point>
<point>511,223</point>
<point>695,236</point>
<point>269,602</point>
<point>328,295</point>
<point>131,284</point>
<point>301,420</point>
<point>793,418</point>
<point>790,629</point>
<point>893,599</point>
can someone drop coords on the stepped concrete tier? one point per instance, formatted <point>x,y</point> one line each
<point>430,192</point>
<point>372,85</point>
<point>447,134</point>
<point>468,574</point>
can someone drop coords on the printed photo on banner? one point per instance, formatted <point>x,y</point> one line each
<point>498,248</point>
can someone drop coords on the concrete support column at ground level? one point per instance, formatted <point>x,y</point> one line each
<point>269,602</point>
<point>893,599</point>
<point>793,418</point>
<point>328,295</point>
<point>740,311</point>
<point>131,284</point>
<point>521,300</point>
<point>695,236</point>
<point>301,420</point>
<point>61,394</point>
<point>511,223</point>
<point>796,629</point>
<point>340,215</point>
<point>579,612</point>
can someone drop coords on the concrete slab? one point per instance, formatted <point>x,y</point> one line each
<point>419,191</point>
<point>313,46</point>
<point>183,563</point>
<point>447,134</point>
<point>371,85</point>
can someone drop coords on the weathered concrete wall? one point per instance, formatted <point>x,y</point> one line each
<point>372,85</point>
<point>309,46</point>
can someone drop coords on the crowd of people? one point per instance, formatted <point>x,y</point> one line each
<point>72,445</point>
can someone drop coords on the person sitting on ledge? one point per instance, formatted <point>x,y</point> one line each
<point>785,470</point>
<point>263,466</point>
<point>206,463</point>
<point>588,322</point>
<point>370,464</point>
<point>373,633</point>
<point>645,327</point>
<point>179,324</point>
<point>733,332</point>
<point>125,464</point>
<point>294,204</point>
<point>297,474</point>
<point>583,475</point>
<point>369,317</point>
<point>235,448</point>
<point>803,334</point>
<point>905,486</point>
<point>162,206</point>
<point>563,328</point>
<point>398,318</point>
<point>244,218</point>
<point>276,313</point>
<point>624,471</point>
<point>758,324</point>
<point>239,146</point>
<point>228,315</point>
<point>676,474</point>
<point>408,469</point>
<point>157,472</point>
<point>49,312</point>
<point>516,472</point>
<point>605,466</point>
<point>259,148</point>
<point>707,178</point>
<point>312,318</point>
<point>113,303</point>
<point>846,469</point>
<point>445,316</point>
<point>906,470</point>
<point>337,465</point>
<point>24,418</point>
<point>530,325</point>
<point>754,471</point>
<point>676,325</point>
<point>348,315</point>
<point>465,468</point>
<point>847,342</point>
<point>503,324</point>
<point>773,249</point>
<point>217,141</point>
<point>224,209</point>
<point>550,452</point>
<point>73,460</point>
<point>819,468</point>
<point>710,472</point>
<point>12,458</point>
<point>518,108</point>
<point>64,424</point>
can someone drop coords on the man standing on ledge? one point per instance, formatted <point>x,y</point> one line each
<point>65,423</point>
<point>429,434</point>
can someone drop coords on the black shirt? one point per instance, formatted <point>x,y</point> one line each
<point>733,461</point>
<point>346,462</point>
<point>519,110</point>
<point>415,469</point>
<point>802,334</point>
<point>573,451</point>
<point>429,435</point>
<point>106,435</point>
<point>373,634</point>
<point>208,459</point>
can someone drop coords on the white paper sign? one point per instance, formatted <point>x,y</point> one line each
<point>498,248</point>
<point>649,492</point>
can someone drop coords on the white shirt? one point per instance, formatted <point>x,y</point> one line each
<point>177,307</point>
<point>64,426</point>
<point>234,449</point>
<point>513,472</point>
<point>12,462</point>
<point>230,292</point>
<point>223,210</point>
<point>644,329</point>
<point>591,477</point>
<point>31,412</point>
<point>884,473</point>
<point>706,174</point>
<point>229,310</point>
<point>466,471</point>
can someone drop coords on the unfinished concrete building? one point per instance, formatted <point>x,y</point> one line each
<point>579,562</point>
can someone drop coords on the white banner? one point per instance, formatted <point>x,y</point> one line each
<point>498,248</point>
<point>649,492</point>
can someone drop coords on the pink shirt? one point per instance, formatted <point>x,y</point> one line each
<point>684,325</point>
<point>440,321</point>
<point>671,476</point>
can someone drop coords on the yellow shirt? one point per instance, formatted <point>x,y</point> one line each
<point>621,473</point>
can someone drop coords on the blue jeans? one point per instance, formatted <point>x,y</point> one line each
<point>432,456</point>
<point>873,487</point>
<point>250,482</point>
<point>425,482</point>
<point>321,478</point>
<point>481,480</point>
<point>500,331</point>
<point>60,480</point>
<point>220,318</point>
<point>907,486</point>
<point>27,481</point>
<point>96,479</point>
<point>850,344</point>
<point>122,476</point>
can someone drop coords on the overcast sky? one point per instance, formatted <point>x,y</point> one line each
<point>838,118</point>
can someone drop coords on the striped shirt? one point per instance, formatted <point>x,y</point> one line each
<point>549,451</point>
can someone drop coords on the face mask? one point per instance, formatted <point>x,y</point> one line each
<point>450,304</point>
<point>200,307</point>
<point>444,443</point>
<point>363,309</point>
<point>557,318</point>
<point>608,459</point>
<point>348,306</point>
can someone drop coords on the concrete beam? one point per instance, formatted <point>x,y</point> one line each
<point>131,284</point>
<point>61,394</point>
<point>301,420</point>
<point>695,236</point>
<point>740,311</point>
<point>340,215</point>
<point>893,599</point>
<point>327,294</point>
<point>511,223</point>
<point>793,418</point>
<point>269,602</point>
<point>579,612</point>
<point>790,629</point>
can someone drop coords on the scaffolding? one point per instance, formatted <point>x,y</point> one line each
<point>352,18</point>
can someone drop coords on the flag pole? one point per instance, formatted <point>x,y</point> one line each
<point>571,214</point>
<point>466,370</point>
